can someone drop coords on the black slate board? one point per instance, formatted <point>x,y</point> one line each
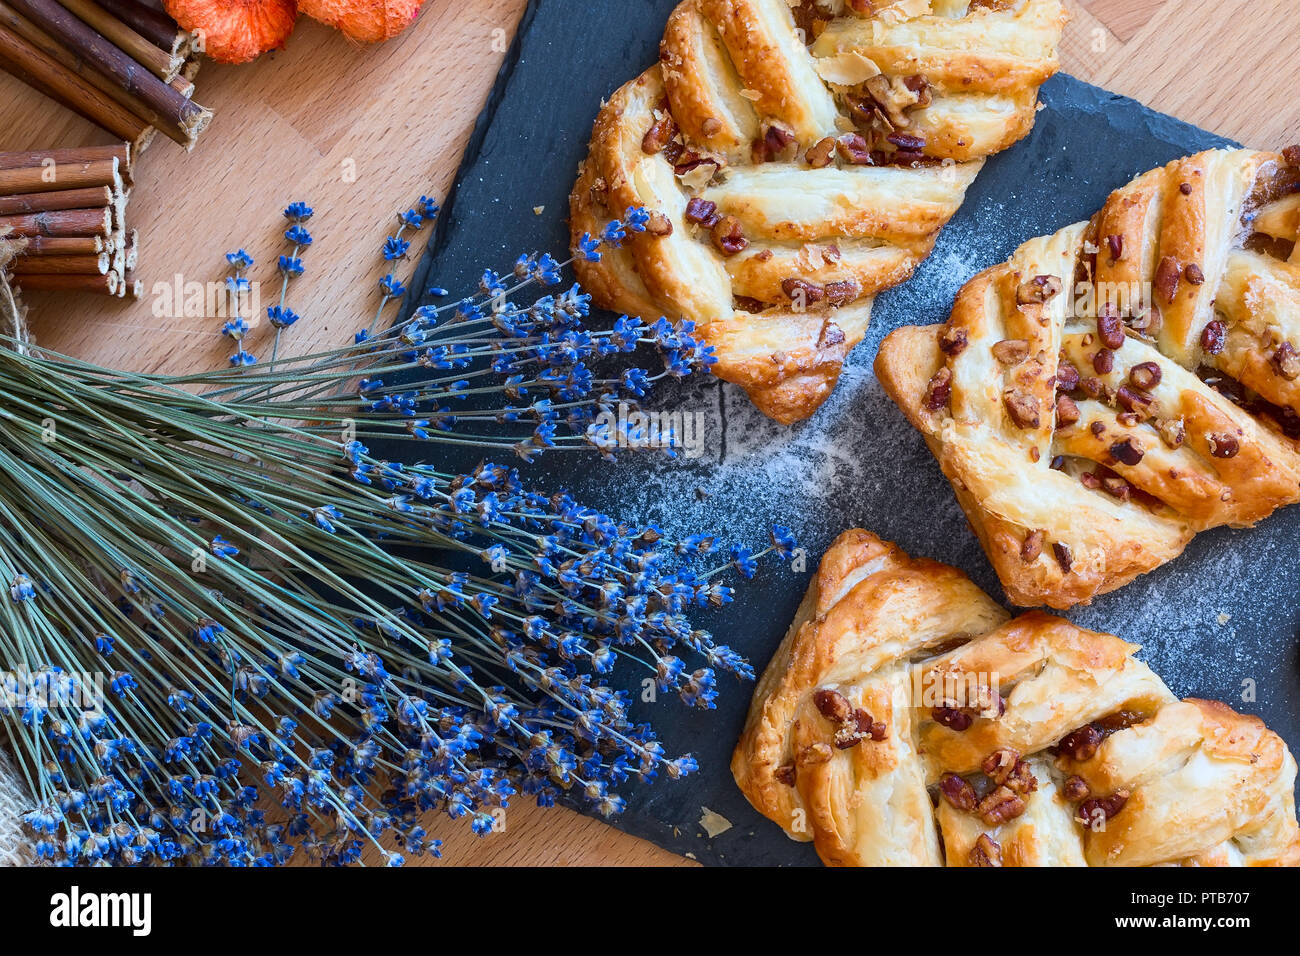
<point>1220,616</point>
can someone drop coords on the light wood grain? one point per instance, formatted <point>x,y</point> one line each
<point>286,126</point>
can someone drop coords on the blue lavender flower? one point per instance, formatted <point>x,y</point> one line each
<point>298,212</point>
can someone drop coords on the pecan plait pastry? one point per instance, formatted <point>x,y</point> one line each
<point>1121,385</point>
<point>905,720</point>
<point>794,163</point>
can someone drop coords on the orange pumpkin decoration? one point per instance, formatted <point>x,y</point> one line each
<point>366,21</point>
<point>236,31</point>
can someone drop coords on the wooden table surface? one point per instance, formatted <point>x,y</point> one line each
<point>359,133</point>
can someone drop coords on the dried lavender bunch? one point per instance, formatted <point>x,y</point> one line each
<point>276,612</point>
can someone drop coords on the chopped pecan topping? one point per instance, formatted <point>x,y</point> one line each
<point>1011,351</point>
<point>906,141</point>
<point>1110,329</point>
<point>1104,361</point>
<point>1063,556</point>
<point>864,7</point>
<point>1093,387</point>
<point>1133,400</point>
<point>1173,432</point>
<point>1022,408</point>
<point>659,135</point>
<point>1067,377</point>
<point>1032,548</point>
<point>953,341</point>
<point>857,728</point>
<point>1213,337</point>
<point>703,212</point>
<point>1096,812</point>
<point>1039,289</point>
<point>842,291</point>
<point>1185,189</point>
<point>1193,274</point>
<point>1292,155</point>
<point>802,292</point>
<point>1067,412</point>
<point>1098,428</point>
<point>894,97</point>
<point>728,236</point>
<point>954,718</point>
<point>822,154</point>
<point>1286,362</point>
<point>1001,805</point>
<point>777,145</point>
<point>1116,244</point>
<point>1145,376</point>
<point>1021,779</point>
<point>1117,487</point>
<point>832,705</point>
<point>999,764</point>
<point>1076,789</point>
<point>1168,275</point>
<point>711,126</point>
<point>985,852</point>
<point>1223,445</point>
<point>1081,744</point>
<point>695,168</point>
<point>658,224</point>
<point>958,792</point>
<point>1090,480</point>
<point>853,149</point>
<point>786,774</point>
<point>1127,451</point>
<point>831,334</point>
<point>919,85</point>
<point>939,390</point>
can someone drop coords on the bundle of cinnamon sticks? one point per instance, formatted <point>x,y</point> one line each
<point>68,206</point>
<point>122,64</point>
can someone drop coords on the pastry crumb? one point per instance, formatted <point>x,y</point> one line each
<point>713,823</point>
<point>538,210</point>
<point>1223,618</point>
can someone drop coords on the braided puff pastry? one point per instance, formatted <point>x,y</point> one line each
<point>905,720</point>
<point>1119,386</point>
<point>794,163</point>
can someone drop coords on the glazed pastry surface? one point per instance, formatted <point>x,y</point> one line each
<point>908,720</point>
<point>1124,384</point>
<point>797,159</point>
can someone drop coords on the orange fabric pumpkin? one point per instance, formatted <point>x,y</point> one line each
<point>236,31</point>
<point>366,21</point>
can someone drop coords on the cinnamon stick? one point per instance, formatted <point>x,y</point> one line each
<point>61,265</point>
<point>65,246</point>
<point>106,284</point>
<point>152,24</point>
<point>19,58</point>
<point>72,154</point>
<point>57,51</point>
<point>71,31</point>
<point>62,222</point>
<point>86,198</point>
<point>49,177</point>
<point>165,66</point>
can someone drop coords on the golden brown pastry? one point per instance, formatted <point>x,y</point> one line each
<point>905,720</point>
<point>796,162</point>
<point>1121,385</point>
